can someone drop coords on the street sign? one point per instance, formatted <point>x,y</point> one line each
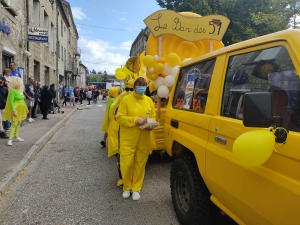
<point>38,34</point>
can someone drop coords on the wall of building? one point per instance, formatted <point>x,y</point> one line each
<point>12,39</point>
<point>42,63</point>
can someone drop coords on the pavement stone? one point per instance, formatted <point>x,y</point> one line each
<point>13,159</point>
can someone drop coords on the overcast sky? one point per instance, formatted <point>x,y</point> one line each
<point>107,29</point>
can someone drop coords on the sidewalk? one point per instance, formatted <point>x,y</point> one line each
<point>13,159</point>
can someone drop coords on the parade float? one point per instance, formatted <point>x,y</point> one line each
<point>174,39</point>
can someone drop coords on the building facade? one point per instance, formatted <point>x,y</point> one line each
<point>41,60</point>
<point>139,44</point>
<point>81,80</point>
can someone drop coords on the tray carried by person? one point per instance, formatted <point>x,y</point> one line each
<point>150,124</point>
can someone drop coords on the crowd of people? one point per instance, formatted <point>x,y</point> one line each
<point>126,114</point>
<point>19,102</point>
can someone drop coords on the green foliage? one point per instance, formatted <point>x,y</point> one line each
<point>104,76</point>
<point>249,18</point>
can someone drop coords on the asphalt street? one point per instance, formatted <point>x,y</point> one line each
<point>72,181</point>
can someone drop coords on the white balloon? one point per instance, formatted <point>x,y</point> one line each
<point>158,82</point>
<point>175,71</point>
<point>156,57</point>
<point>151,70</point>
<point>168,69</point>
<point>186,59</point>
<point>169,80</point>
<point>163,91</point>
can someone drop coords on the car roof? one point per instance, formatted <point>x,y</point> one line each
<point>292,36</point>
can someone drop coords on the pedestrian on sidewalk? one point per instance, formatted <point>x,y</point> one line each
<point>36,97</point>
<point>3,97</point>
<point>64,93</point>
<point>72,95</point>
<point>6,74</point>
<point>29,93</point>
<point>15,109</point>
<point>134,141</point>
<point>46,99</point>
<point>89,96</point>
<point>81,95</point>
<point>14,71</point>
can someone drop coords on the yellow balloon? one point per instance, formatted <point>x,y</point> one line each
<point>126,70</point>
<point>120,75</point>
<point>161,60</point>
<point>254,148</point>
<point>159,68</point>
<point>173,59</point>
<point>118,70</point>
<point>148,74</point>
<point>149,61</point>
<point>153,76</point>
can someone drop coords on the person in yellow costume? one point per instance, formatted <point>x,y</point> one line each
<point>113,128</point>
<point>112,93</point>
<point>134,141</point>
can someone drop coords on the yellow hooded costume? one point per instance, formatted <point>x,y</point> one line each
<point>113,127</point>
<point>112,93</point>
<point>134,142</point>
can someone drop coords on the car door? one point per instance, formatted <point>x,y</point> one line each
<point>269,193</point>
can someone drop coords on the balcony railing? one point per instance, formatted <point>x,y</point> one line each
<point>70,67</point>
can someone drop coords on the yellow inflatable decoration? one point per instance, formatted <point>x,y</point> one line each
<point>253,148</point>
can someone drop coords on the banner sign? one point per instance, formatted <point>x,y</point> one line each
<point>4,28</point>
<point>38,34</point>
<point>211,27</point>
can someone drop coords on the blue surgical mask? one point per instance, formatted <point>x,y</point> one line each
<point>140,89</point>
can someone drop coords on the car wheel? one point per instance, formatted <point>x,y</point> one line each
<point>190,196</point>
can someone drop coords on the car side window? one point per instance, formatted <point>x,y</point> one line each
<point>193,86</point>
<point>268,70</point>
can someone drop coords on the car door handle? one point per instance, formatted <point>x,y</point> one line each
<point>174,123</point>
<point>221,140</point>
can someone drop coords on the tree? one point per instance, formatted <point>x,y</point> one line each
<point>249,19</point>
<point>105,76</point>
<point>94,71</point>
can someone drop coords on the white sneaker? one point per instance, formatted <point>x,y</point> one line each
<point>19,139</point>
<point>136,196</point>
<point>9,143</point>
<point>126,194</point>
<point>30,120</point>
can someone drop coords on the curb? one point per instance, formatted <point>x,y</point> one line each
<point>10,177</point>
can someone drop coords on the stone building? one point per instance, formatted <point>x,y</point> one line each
<point>81,80</point>
<point>139,44</point>
<point>36,58</point>
<point>12,33</point>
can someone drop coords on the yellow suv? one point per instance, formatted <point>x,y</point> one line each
<point>206,113</point>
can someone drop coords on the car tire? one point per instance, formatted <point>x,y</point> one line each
<point>190,196</point>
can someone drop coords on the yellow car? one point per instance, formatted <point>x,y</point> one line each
<point>250,86</point>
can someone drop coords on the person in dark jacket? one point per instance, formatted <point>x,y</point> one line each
<point>46,98</point>
<point>53,91</point>
<point>36,98</point>
<point>3,97</point>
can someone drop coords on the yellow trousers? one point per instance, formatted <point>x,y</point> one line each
<point>133,158</point>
